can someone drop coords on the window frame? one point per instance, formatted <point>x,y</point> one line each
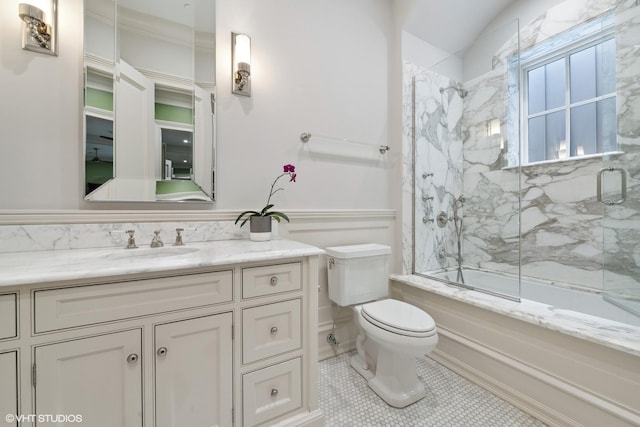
<point>563,51</point>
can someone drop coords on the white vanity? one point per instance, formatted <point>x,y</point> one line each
<point>212,334</point>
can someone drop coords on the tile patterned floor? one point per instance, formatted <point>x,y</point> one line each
<point>451,401</point>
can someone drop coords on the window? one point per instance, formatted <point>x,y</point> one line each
<point>569,94</point>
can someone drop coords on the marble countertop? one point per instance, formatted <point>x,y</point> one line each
<point>616,335</point>
<point>21,268</point>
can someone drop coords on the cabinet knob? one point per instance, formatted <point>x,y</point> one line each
<point>162,351</point>
<point>132,358</point>
<point>274,392</point>
<point>274,280</point>
<point>274,330</point>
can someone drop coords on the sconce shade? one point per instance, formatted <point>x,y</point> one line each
<point>493,127</point>
<point>39,28</point>
<point>241,63</point>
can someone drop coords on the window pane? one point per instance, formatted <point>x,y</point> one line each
<point>606,67</point>
<point>583,74</point>
<point>555,84</point>
<point>536,139</point>
<point>606,116</point>
<point>536,90</point>
<point>583,130</point>
<point>556,136</point>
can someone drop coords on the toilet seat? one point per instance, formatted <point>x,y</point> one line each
<point>399,318</point>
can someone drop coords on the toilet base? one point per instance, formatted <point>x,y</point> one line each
<point>398,394</point>
<point>359,364</point>
<point>397,400</point>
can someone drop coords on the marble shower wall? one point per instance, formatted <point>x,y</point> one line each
<point>438,168</point>
<point>552,207</point>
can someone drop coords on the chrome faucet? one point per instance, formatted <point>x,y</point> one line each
<point>131,241</point>
<point>179,241</point>
<point>156,242</point>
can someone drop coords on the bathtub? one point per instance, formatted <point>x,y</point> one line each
<point>564,297</point>
<point>543,353</point>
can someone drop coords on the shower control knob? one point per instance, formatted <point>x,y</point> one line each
<point>426,175</point>
<point>425,198</point>
<point>426,220</point>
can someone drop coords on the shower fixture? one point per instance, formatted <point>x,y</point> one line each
<point>458,88</point>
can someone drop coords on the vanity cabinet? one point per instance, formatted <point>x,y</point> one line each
<point>97,378</point>
<point>8,386</point>
<point>8,316</point>
<point>193,372</point>
<point>228,345</point>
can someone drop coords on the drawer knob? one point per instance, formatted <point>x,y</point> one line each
<point>132,358</point>
<point>274,330</point>
<point>162,351</point>
<point>274,392</point>
<point>274,280</point>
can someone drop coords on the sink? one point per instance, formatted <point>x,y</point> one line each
<point>151,253</point>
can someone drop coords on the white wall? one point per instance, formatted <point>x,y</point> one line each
<point>40,125</point>
<point>319,67</point>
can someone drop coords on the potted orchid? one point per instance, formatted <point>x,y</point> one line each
<point>260,221</point>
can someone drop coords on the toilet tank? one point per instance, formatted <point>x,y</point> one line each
<point>358,273</point>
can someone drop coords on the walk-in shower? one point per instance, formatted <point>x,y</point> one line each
<point>506,159</point>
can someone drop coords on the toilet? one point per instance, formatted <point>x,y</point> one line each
<point>392,333</point>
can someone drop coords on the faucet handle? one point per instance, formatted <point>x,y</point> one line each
<point>156,242</point>
<point>131,241</point>
<point>179,241</point>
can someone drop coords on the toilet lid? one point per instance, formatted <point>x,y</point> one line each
<point>399,317</point>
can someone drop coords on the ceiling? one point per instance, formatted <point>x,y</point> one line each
<point>452,25</point>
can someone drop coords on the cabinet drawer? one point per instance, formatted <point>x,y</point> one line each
<point>270,329</point>
<point>8,316</point>
<point>271,392</point>
<point>271,279</point>
<point>85,305</point>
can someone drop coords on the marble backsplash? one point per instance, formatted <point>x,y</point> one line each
<point>28,238</point>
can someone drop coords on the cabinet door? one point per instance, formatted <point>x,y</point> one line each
<point>8,388</point>
<point>194,372</point>
<point>97,378</point>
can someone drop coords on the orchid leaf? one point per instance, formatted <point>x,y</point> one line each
<point>249,213</point>
<point>278,215</point>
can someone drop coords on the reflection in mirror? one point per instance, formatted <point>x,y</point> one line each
<point>177,154</point>
<point>149,87</point>
<point>99,155</point>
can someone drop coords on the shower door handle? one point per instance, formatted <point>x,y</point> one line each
<point>623,186</point>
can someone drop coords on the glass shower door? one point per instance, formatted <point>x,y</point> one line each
<point>618,182</point>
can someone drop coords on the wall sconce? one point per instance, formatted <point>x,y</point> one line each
<point>493,127</point>
<point>39,25</point>
<point>241,63</point>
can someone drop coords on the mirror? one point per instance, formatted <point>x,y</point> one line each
<point>149,110</point>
